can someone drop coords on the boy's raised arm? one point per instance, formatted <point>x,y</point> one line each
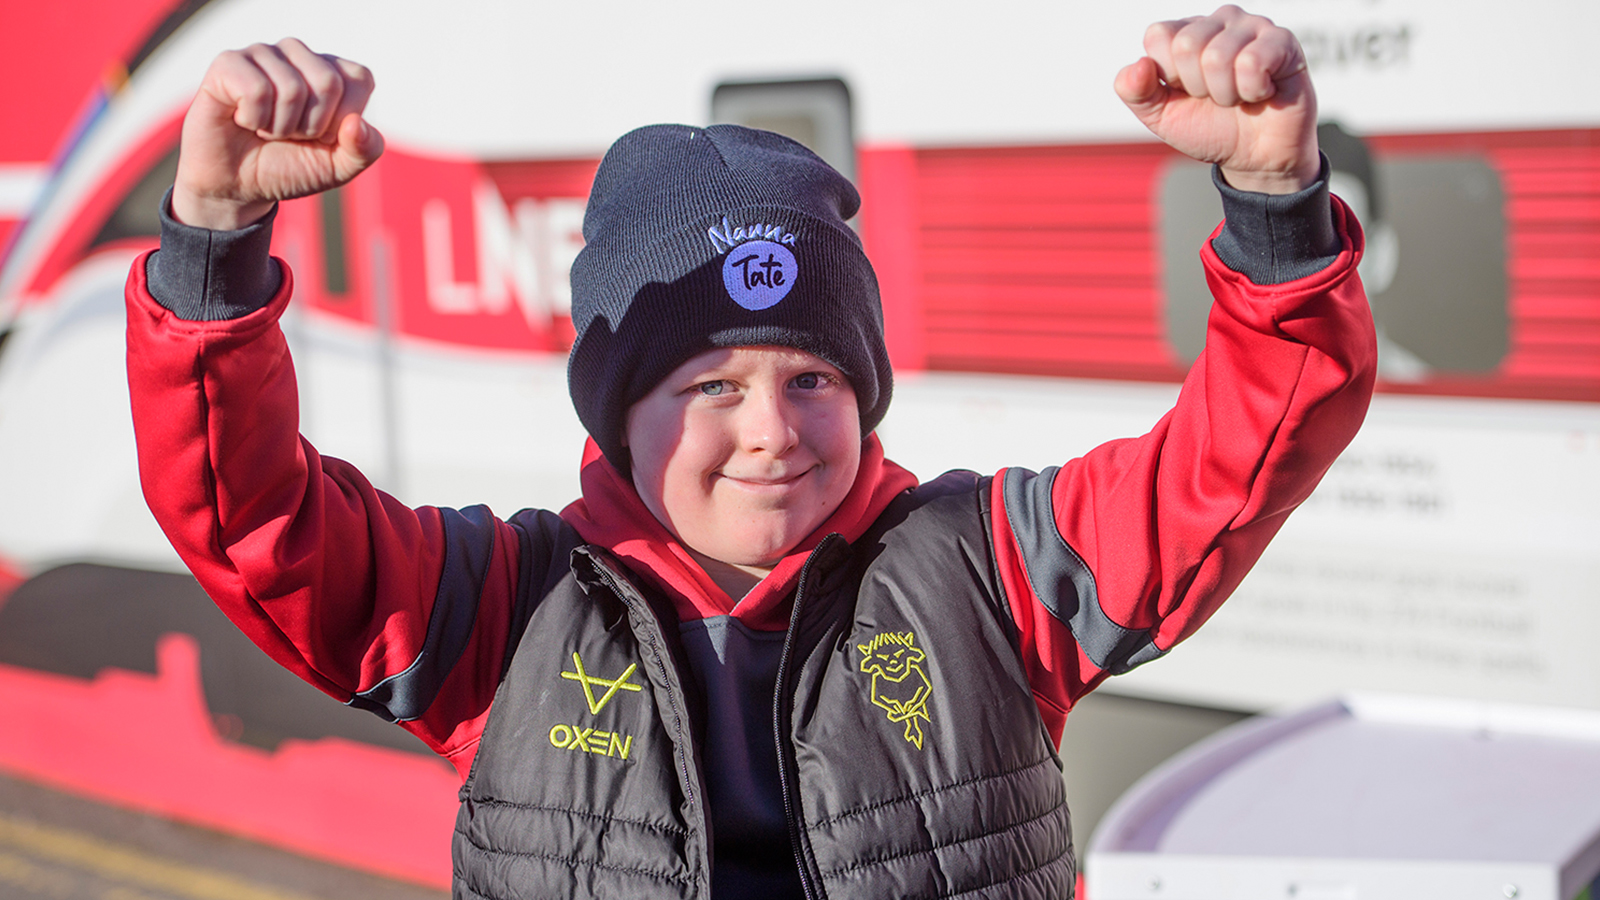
<point>1113,558</point>
<point>366,599</point>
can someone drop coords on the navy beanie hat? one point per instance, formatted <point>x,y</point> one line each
<point>703,238</point>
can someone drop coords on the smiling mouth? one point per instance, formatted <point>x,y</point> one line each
<point>767,482</point>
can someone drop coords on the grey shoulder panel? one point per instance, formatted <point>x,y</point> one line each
<point>469,545</point>
<point>1062,581</point>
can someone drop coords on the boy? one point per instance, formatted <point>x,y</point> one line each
<point>756,658</point>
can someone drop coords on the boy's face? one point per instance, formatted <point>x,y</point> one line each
<point>743,452</point>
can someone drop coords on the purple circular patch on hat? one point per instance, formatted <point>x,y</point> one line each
<point>758,274</point>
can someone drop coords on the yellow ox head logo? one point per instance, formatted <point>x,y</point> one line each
<point>891,655</point>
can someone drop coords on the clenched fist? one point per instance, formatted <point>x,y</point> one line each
<point>270,123</point>
<point>1232,89</point>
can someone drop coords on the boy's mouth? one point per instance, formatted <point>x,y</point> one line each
<point>771,480</point>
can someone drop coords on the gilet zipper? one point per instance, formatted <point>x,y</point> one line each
<point>689,767</point>
<point>788,773</point>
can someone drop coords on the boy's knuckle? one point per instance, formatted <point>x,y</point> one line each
<point>257,92</point>
<point>293,92</point>
<point>322,82</point>
<point>1186,43</point>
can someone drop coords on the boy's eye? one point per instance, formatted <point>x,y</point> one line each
<point>808,381</point>
<point>711,388</point>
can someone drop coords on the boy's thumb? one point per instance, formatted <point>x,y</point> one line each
<point>1139,86</point>
<point>359,145</point>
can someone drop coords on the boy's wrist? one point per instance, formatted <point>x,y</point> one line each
<point>213,214</point>
<point>207,275</point>
<point>1272,238</point>
<point>1306,173</point>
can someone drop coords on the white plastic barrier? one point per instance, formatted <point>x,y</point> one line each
<point>1371,797</point>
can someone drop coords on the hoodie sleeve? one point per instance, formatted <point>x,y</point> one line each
<point>404,612</point>
<point>1111,559</point>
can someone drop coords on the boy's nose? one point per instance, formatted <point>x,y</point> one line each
<point>766,424</point>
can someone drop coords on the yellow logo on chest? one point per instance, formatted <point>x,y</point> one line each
<point>595,740</point>
<point>899,686</point>
<point>591,740</point>
<point>612,685</point>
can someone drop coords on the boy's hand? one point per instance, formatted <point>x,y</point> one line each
<point>271,122</point>
<point>1232,89</point>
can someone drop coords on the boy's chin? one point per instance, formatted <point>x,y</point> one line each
<point>751,565</point>
<point>748,554</point>
<point>743,558</point>
<point>751,540</point>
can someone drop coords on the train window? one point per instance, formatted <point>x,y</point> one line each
<point>138,215</point>
<point>816,112</point>
<point>335,266</point>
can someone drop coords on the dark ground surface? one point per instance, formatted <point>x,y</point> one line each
<point>55,846</point>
